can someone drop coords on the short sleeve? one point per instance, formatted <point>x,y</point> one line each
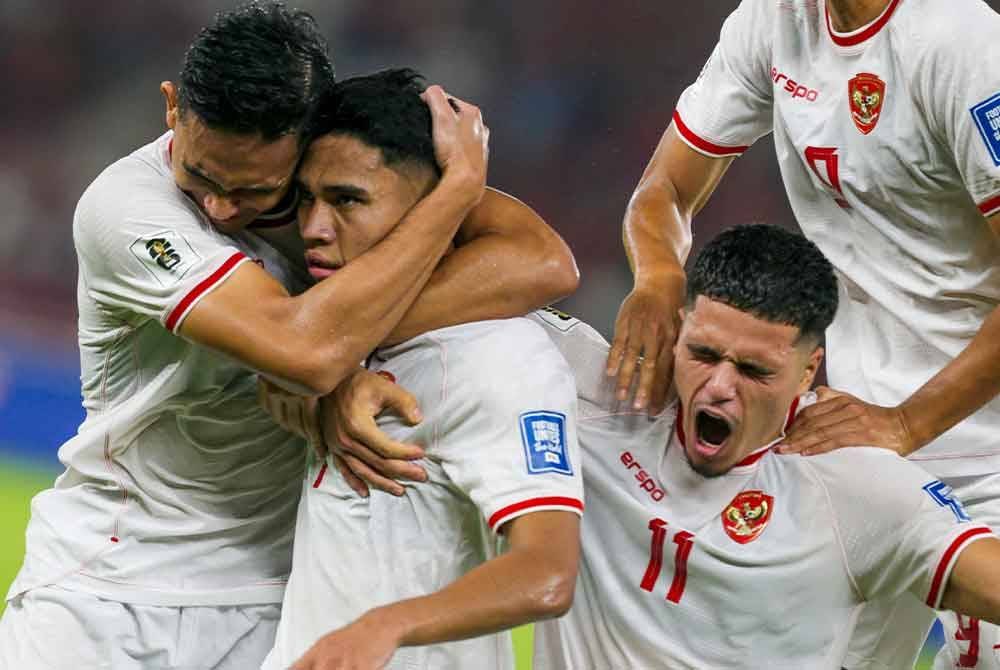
<point>509,439</point>
<point>900,528</point>
<point>144,251</point>
<point>960,86</point>
<point>729,106</point>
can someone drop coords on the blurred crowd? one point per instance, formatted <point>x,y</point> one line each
<point>576,92</point>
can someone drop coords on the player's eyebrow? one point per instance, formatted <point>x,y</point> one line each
<point>262,189</point>
<point>747,366</point>
<point>334,190</point>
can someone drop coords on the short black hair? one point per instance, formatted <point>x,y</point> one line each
<point>259,68</point>
<point>769,272</point>
<point>385,111</point>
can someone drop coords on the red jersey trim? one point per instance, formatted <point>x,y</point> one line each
<point>187,302</point>
<point>990,207</point>
<point>948,560</point>
<point>503,515</point>
<point>702,144</point>
<point>869,32</point>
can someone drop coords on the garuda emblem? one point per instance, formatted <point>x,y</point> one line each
<point>866,93</point>
<point>747,515</point>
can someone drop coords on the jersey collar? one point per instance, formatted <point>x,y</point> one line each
<point>858,36</point>
<point>756,455</point>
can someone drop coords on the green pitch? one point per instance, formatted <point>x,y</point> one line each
<point>19,482</point>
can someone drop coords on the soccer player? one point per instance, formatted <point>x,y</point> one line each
<point>705,548</point>
<point>167,540</point>
<point>502,460</point>
<point>886,121</point>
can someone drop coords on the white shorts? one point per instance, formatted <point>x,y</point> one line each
<point>890,634</point>
<point>50,628</point>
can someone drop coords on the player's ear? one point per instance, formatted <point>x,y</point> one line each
<point>812,368</point>
<point>169,91</point>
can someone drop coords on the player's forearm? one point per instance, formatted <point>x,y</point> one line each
<point>534,580</point>
<point>508,267</point>
<point>341,319</point>
<point>656,233</point>
<point>963,386</point>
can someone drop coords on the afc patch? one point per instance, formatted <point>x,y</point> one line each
<point>544,437</point>
<point>987,117</point>
<point>747,515</point>
<point>166,255</point>
<point>942,494</point>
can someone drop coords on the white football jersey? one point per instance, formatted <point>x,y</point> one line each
<point>763,567</point>
<point>888,139</point>
<point>499,428</point>
<point>178,489</point>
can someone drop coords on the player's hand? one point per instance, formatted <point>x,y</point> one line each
<point>363,454</point>
<point>363,645</point>
<point>461,142</point>
<point>645,332</point>
<point>841,420</point>
<point>295,413</point>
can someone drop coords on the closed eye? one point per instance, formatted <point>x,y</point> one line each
<point>704,354</point>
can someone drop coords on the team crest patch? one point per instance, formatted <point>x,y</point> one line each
<point>987,117</point>
<point>544,437</point>
<point>747,515</point>
<point>866,93</point>
<point>166,255</point>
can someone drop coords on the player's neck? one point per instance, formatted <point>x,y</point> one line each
<point>849,15</point>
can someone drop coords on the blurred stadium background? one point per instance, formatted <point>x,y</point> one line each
<point>576,93</point>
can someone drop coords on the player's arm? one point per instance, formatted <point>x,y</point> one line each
<point>960,388</point>
<point>974,586</point>
<point>533,580</point>
<point>657,235</point>
<point>315,339</point>
<point>507,261</point>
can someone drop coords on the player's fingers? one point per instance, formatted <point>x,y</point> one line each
<point>356,483</point>
<point>372,478</point>
<point>630,361</point>
<point>647,376</point>
<point>617,352</point>
<point>402,403</point>
<point>661,381</point>
<point>800,439</point>
<point>824,393</point>
<point>371,437</point>
<point>839,441</point>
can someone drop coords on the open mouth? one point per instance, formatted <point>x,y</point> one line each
<point>712,431</point>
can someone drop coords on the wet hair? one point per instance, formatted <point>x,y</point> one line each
<point>259,68</point>
<point>384,110</point>
<point>771,273</point>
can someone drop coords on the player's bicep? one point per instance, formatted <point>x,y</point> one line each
<point>555,535</point>
<point>972,587</point>
<point>994,223</point>
<point>681,174</point>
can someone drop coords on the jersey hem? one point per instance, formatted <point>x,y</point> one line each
<point>556,503</point>
<point>255,594</point>
<point>990,206</point>
<point>703,146</point>
<point>177,315</point>
<point>947,562</point>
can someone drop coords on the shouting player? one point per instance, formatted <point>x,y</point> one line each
<point>503,468</point>
<point>705,548</point>
<point>886,120</point>
<point>167,541</point>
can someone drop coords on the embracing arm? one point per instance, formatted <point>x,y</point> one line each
<point>534,580</point>
<point>507,262</point>
<point>315,339</point>
<point>960,388</point>
<point>657,234</point>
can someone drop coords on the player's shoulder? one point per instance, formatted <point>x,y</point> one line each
<point>137,185</point>
<point>942,31</point>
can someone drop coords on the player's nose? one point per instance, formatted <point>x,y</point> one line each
<point>721,384</point>
<point>315,226</point>
<point>220,207</point>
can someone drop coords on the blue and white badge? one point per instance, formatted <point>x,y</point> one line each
<point>941,494</point>
<point>987,117</point>
<point>544,438</point>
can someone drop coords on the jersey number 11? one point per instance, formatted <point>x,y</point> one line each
<point>684,541</point>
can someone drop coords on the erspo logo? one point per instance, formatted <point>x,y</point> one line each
<point>796,89</point>
<point>646,481</point>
